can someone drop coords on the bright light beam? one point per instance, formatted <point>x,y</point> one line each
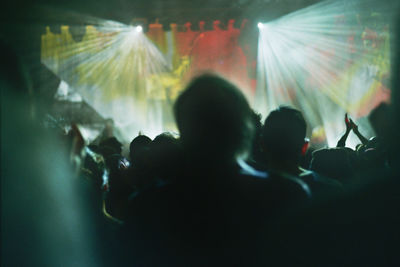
<point>139,28</point>
<point>116,69</point>
<point>326,59</point>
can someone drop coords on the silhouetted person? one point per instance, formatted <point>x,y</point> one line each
<point>380,120</point>
<point>283,142</point>
<point>350,125</point>
<point>219,208</point>
<point>155,162</point>
<point>47,215</point>
<point>165,158</point>
<point>138,175</point>
<point>214,120</point>
<point>361,227</point>
<point>338,163</point>
<point>137,148</point>
<point>256,156</point>
<point>110,146</point>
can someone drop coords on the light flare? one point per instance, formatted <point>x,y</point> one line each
<point>117,70</point>
<point>327,59</point>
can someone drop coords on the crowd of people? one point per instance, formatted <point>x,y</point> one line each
<point>230,190</point>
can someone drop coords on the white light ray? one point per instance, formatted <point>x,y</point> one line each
<point>325,61</point>
<point>117,70</point>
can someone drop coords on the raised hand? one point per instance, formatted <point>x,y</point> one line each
<point>353,125</point>
<point>342,140</point>
<point>348,123</point>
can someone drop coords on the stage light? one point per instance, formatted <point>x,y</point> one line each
<point>315,60</point>
<point>260,25</point>
<point>134,30</point>
<point>118,71</point>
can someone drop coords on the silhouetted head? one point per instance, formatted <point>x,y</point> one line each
<point>110,146</point>
<point>165,156</point>
<point>337,163</point>
<point>214,119</point>
<point>256,151</point>
<point>283,134</point>
<point>138,147</point>
<point>381,120</point>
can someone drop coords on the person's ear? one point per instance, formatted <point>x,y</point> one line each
<point>305,146</point>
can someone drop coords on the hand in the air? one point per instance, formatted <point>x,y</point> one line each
<point>348,123</point>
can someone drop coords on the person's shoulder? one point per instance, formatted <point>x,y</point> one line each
<point>291,184</point>
<point>249,171</point>
<point>314,177</point>
<point>273,182</point>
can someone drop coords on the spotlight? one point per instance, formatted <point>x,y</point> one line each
<point>305,60</point>
<point>139,28</point>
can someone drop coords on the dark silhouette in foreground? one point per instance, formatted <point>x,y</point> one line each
<point>217,207</point>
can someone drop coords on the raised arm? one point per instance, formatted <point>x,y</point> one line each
<point>342,140</point>
<point>354,126</point>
